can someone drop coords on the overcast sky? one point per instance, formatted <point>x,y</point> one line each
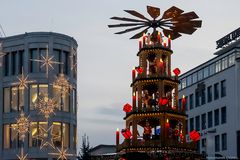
<point>105,60</point>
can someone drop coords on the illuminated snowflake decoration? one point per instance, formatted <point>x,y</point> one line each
<point>43,136</point>
<point>46,106</point>
<point>22,125</point>
<point>47,62</point>
<point>22,156</point>
<point>62,84</point>
<point>62,153</point>
<point>23,81</point>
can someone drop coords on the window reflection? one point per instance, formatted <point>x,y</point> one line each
<point>56,134</point>
<point>35,92</point>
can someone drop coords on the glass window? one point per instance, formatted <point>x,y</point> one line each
<point>216,117</point>
<point>14,136</point>
<point>216,91</point>
<point>212,69</point>
<point>33,135</point>
<point>20,61</point>
<point>205,72</point>
<point>6,64</point>
<point>43,90</point>
<point>197,123</point>
<point>43,52</point>
<point>209,93</point>
<point>194,77</point>
<point>74,101</point>
<point>179,86</point>
<point>217,143</point>
<point>74,137</point>
<point>223,88</point>
<point>218,66</point>
<point>203,96</point>
<point>6,100</point>
<point>21,98</point>
<point>224,63</point>
<point>204,142</point>
<point>189,80</point>
<point>57,96</point>
<point>191,101</point>
<point>65,98</point>
<point>223,115</point>
<point>56,134</point>
<point>14,99</point>
<point>33,64</point>
<point>186,103</point>
<point>203,117</point>
<point>42,128</point>
<point>184,83</point>
<point>197,99</point>
<point>210,119</point>
<point>14,60</point>
<point>66,136</point>
<point>191,124</point>
<point>6,136</point>
<point>57,56</point>
<point>200,75</point>
<point>231,59</point>
<point>224,141</point>
<point>33,95</point>
<point>66,62</point>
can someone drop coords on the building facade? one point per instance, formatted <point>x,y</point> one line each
<point>212,91</point>
<point>41,58</point>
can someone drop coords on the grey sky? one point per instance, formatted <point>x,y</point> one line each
<point>105,60</point>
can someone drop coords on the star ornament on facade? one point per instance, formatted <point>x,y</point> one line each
<point>22,125</point>
<point>43,136</point>
<point>62,84</point>
<point>22,156</point>
<point>46,106</point>
<point>1,51</point>
<point>23,81</point>
<point>62,153</point>
<point>47,61</point>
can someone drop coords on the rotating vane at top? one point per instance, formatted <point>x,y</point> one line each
<point>173,22</point>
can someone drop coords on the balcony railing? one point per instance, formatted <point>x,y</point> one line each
<point>156,144</point>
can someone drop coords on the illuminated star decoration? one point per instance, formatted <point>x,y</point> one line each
<point>61,153</point>
<point>47,62</point>
<point>46,106</point>
<point>62,84</point>
<point>22,125</point>
<point>43,136</point>
<point>23,81</point>
<point>22,156</point>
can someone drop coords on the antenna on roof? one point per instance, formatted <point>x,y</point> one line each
<point>2,31</point>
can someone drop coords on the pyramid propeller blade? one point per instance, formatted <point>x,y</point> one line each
<point>184,29</point>
<point>197,24</point>
<point>136,14</point>
<point>154,12</point>
<point>125,25</point>
<point>172,12</point>
<point>126,19</point>
<point>173,35</point>
<point>140,34</point>
<point>129,30</point>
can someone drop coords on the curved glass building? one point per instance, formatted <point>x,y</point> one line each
<point>38,77</point>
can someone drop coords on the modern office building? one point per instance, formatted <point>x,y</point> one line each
<point>41,58</point>
<point>212,90</point>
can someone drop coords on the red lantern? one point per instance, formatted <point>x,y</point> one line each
<point>126,133</point>
<point>127,108</point>
<point>194,136</point>
<point>176,71</point>
<point>139,70</point>
<point>163,101</point>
